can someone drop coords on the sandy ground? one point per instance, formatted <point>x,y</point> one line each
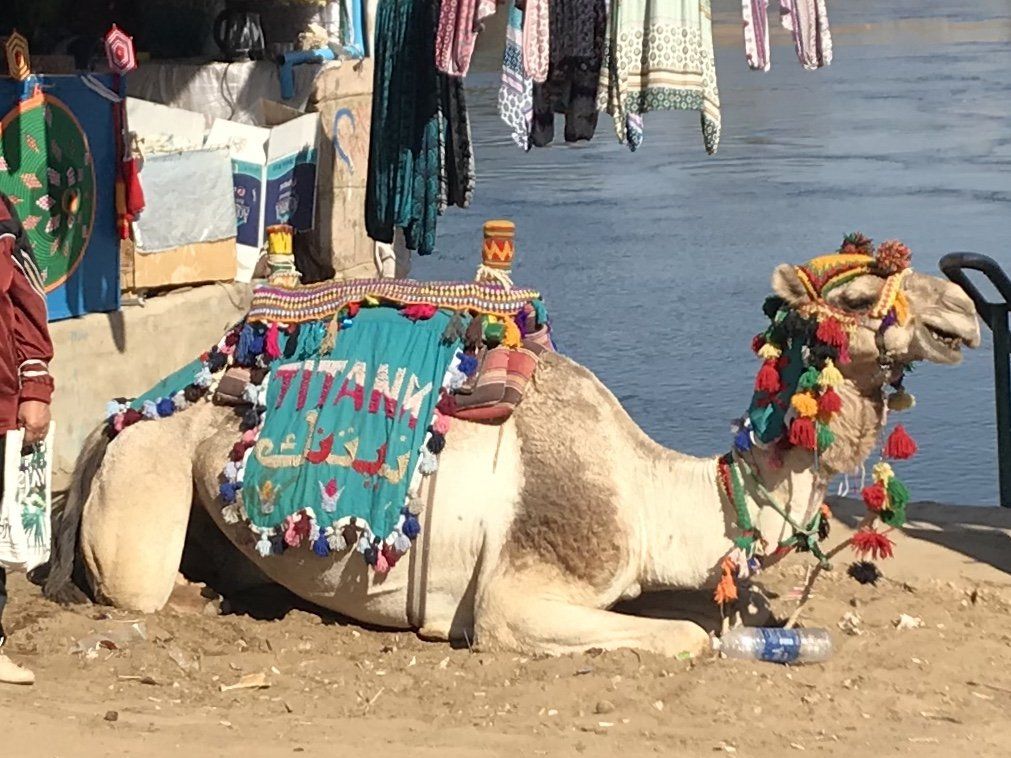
<point>930,691</point>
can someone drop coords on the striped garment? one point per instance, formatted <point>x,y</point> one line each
<point>456,37</point>
<point>806,19</point>
<point>659,56</point>
<point>297,305</point>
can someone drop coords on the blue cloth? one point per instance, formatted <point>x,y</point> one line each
<point>342,432</point>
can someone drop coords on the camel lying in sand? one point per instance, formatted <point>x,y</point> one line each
<point>535,527</point>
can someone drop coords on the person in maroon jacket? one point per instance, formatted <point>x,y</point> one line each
<point>25,351</point>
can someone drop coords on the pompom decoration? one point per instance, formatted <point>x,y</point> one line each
<point>831,332</point>
<point>900,446</point>
<point>893,257</point>
<point>321,546</point>
<point>726,590</point>
<point>802,433</point>
<point>830,376</point>
<point>263,546</point>
<point>768,378</point>
<point>875,496</point>
<point>165,407</point>
<point>769,352</point>
<point>869,542</point>
<point>864,572</point>
<point>411,528</point>
<point>829,403</point>
<point>436,443</point>
<point>825,436</point>
<point>805,405</point>
<point>756,342</point>
<point>856,244</point>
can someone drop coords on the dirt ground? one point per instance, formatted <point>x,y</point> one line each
<point>937,690</point>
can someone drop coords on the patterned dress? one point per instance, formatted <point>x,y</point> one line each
<point>420,159</point>
<point>577,50</point>
<point>659,57</point>
<point>515,95</point>
<point>806,19</point>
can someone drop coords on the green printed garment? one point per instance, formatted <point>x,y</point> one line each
<point>342,432</point>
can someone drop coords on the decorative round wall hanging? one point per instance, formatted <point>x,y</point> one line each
<point>47,171</point>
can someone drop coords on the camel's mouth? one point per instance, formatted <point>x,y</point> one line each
<point>944,343</point>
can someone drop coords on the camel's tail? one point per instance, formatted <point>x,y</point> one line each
<point>66,581</point>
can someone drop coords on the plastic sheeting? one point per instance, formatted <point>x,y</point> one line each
<point>189,197</point>
<point>230,91</point>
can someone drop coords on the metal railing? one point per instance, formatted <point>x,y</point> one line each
<point>995,316</point>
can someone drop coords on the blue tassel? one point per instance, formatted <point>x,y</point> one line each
<point>468,364</point>
<point>244,354</point>
<point>228,491</point>
<point>742,440</point>
<point>166,407</point>
<point>112,408</point>
<point>411,527</point>
<point>347,323</point>
<point>321,547</point>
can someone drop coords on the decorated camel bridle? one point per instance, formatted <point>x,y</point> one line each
<point>795,401</point>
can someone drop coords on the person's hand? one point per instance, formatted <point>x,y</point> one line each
<point>33,417</point>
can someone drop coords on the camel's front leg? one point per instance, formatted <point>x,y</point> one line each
<point>510,617</point>
<point>134,521</point>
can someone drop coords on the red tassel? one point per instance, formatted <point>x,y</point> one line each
<point>900,445</point>
<point>353,309</point>
<point>757,342</point>
<point>802,433</point>
<point>768,378</point>
<point>831,332</point>
<point>829,402</point>
<point>868,542</point>
<point>875,496</point>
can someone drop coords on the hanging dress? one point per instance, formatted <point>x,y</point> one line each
<point>456,37</point>
<point>659,56</point>
<point>515,95</point>
<point>420,156</point>
<point>577,35</point>
<point>806,19</point>
<point>536,39</point>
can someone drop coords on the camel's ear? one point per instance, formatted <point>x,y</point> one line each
<point>788,286</point>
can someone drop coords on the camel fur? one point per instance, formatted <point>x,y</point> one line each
<point>535,527</point>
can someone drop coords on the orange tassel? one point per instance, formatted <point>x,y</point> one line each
<point>726,590</point>
<point>900,445</point>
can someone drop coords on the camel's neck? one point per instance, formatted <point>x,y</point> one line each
<point>686,522</point>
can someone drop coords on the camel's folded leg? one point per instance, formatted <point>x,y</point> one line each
<point>558,627</point>
<point>134,521</point>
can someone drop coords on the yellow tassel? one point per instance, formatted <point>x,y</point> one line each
<point>883,472</point>
<point>769,352</point>
<point>830,376</point>
<point>805,405</point>
<point>371,301</point>
<point>901,308</point>
<point>512,337</point>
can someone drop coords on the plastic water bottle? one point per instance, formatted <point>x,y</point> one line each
<point>776,645</point>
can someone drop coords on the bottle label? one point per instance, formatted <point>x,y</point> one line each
<point>779,645</point>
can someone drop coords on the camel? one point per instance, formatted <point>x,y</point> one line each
<point>535,527</point>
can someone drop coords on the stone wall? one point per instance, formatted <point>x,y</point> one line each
<point>102,356</point>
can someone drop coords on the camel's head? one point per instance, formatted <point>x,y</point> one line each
<point>893,315</point>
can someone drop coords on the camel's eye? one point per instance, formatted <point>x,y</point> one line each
<point>858,302</point>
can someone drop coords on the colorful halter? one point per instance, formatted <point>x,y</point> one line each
<point>795,401</point>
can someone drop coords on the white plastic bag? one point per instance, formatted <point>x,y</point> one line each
<point>26,503</point>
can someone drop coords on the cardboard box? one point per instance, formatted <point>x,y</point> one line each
<point>274,171</point>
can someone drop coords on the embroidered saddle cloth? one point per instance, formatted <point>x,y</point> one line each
<point>344,391</point>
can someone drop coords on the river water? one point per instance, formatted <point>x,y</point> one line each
<point>654,265</point>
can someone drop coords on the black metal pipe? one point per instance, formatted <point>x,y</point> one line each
<point>995,315</point>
